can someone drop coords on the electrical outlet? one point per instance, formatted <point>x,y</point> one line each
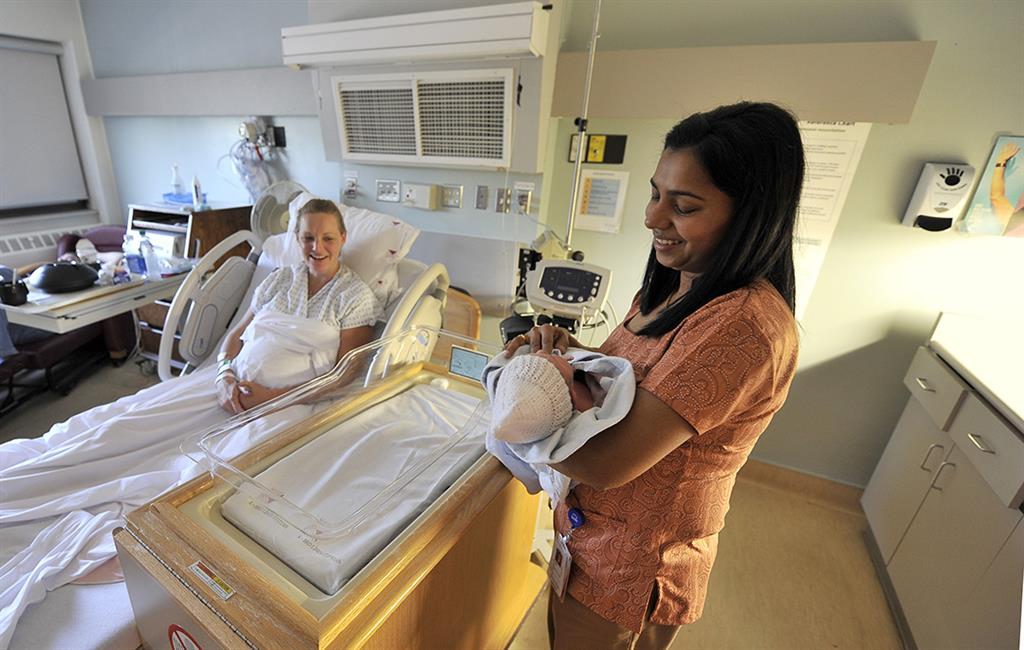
<point>522,200</point>
<point>451,196</point>
<point>482,197</point>
<point>351,189</point>
<point>424,197</point>
<point>503,202</point>
<point>389,191</point>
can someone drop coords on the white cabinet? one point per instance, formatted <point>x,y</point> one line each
<point>942,508</point>
<point>991,612</point>
<point>901,479</point>
<point>954,537</point>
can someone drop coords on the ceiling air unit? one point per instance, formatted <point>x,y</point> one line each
<point>459,117</point>
<point>454,88</point>
<point>513,29</point>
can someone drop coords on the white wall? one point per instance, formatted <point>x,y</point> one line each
<point>61,22</point>
<point>882,285</point>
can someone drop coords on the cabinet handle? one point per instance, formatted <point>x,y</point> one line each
<point>923,383</point>
<point>928,454</point>
<point>979,442</point>
<point>938,473</point>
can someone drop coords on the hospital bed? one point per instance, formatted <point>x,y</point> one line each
<point>479,533</point>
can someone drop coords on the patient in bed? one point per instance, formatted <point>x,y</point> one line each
<point>64,492</point>
<point>544,407</point>
<point>302,320</point>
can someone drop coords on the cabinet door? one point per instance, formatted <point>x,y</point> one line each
<point>955,536</point>
<point>902,477</point>
<point>991,613</point>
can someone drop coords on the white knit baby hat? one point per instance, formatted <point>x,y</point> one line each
<point>531,400</point>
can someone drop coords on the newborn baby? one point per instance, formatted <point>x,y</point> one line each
<point>536,395</point>
<point>544,407</point>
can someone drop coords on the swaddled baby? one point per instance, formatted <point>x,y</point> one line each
<point>544,407</point>
<point>536,395</point>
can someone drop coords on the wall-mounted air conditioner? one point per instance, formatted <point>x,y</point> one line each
<point>514,29</point>
<point>463,87</point>
<point>457,117</point>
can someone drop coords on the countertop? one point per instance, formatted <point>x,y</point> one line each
<point>988,352</point>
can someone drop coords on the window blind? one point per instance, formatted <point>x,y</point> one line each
<point>39,163</point>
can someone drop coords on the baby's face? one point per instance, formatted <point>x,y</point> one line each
<point>561,364</point>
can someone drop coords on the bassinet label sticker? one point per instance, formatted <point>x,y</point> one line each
<point>180,639</point>
<point>212,580</point>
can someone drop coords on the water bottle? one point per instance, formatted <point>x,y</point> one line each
<point>177,185</point>
<point>150,256</point>
<point>132,257</point>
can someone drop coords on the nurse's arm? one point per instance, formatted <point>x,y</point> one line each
<point>620,453</point>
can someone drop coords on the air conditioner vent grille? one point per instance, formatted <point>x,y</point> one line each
<point>462,119</point>
<point>379,120</point>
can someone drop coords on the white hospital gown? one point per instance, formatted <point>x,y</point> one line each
<point>344,302</point>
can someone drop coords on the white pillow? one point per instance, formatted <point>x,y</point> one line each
<point>376,243</point>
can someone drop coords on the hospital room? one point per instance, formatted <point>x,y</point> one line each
<point>635,324</point>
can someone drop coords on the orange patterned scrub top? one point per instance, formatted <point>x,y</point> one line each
<point>726,370</point>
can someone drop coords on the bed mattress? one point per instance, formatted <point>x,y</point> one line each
<point>335,475</point>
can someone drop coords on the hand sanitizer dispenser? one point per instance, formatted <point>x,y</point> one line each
<point>940,196</point>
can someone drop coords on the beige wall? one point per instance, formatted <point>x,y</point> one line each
<point>882,285</point>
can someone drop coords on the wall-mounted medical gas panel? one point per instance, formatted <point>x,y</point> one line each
<point>513,29</point>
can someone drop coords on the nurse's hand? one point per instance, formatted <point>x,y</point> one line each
<point>544,338</point>
<point>228,395</point>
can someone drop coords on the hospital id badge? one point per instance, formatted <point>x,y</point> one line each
<point>559,566</point>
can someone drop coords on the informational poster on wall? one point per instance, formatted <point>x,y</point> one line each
<point>832,152</point>
<point>602,197</point>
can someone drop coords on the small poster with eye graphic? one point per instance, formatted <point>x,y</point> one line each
<point>997,207</point>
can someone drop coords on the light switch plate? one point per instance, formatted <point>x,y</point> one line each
<point>482,196</point>
<point>389,191</point>
<point>503,202</point>
<point>451,196</point>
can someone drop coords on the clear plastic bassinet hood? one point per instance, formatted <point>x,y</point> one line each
<point>374,444</point>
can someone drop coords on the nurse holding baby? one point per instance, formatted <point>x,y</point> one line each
<point>712,341</point>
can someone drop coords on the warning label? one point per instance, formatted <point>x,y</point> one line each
<point>179,639</point>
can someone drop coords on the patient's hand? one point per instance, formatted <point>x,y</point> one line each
<point>228,394</point>
<point>252,394</point>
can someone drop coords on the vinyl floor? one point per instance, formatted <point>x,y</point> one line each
<point>793,573</point>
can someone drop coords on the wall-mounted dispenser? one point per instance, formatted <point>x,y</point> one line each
<point>940,196</point>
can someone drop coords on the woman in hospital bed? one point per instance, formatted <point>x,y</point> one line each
<point>61,495</point>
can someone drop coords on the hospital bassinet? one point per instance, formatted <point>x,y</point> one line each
<point>377,522</point>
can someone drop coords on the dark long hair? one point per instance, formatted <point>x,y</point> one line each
<point>752,152</point>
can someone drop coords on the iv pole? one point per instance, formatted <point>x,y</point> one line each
<point>581,128</point>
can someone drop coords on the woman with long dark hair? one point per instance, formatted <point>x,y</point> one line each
<point>713,342</point>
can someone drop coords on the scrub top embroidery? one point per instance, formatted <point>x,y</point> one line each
<point>344,302</point>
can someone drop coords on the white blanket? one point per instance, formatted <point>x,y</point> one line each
<point>61,495</point>
<point>336,474</point>
<point>283,350</point>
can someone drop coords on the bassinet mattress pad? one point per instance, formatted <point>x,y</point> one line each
<point>336,474</point>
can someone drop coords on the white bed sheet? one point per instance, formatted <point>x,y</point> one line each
<point>79,617</point>
<point>64,493</point>
<point>335,474</point>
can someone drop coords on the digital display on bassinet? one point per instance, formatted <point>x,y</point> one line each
<point>467,363</point>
